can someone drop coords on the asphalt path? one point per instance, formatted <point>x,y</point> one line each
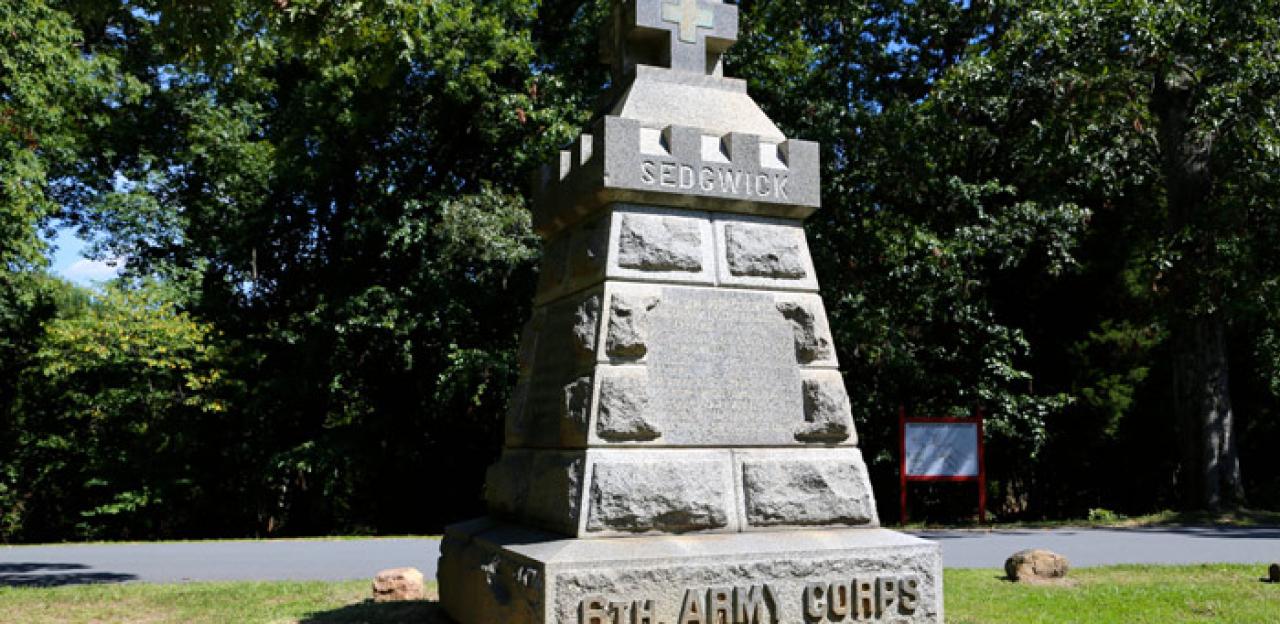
<point>331,560</point>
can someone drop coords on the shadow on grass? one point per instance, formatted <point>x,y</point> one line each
<point>41,574</point>
<point>369,612</point>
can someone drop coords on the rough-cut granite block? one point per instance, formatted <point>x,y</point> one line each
<point>627,336</point>
<point>553,406</point>
<point>660,244</point>
<point>808,318</point>
<point>827,416</point>
<point>806,487</point>
<point>661,491</point>
<point>624,413</point>
<point>574,259</point>
<point>500,573</point>
<point>759,252</point>
<point>539,487</point>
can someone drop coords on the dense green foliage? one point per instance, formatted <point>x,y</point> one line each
<point>1051,211</point>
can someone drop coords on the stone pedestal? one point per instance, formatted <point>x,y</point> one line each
<point>680,447</point>
<point>504,573</point>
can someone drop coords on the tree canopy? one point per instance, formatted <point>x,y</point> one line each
<point>1061,212</point>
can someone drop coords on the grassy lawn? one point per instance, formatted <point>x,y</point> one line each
<point>1118,594</point>
<point>1128,594</point>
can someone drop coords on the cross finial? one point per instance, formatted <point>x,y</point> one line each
<point>685,35</point>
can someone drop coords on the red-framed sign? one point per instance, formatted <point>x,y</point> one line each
<point>941,449</point>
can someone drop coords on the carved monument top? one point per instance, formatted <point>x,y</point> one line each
<point>683,35</point>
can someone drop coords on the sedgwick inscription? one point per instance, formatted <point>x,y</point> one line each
<point>856,600</point>
<point>714,179</point>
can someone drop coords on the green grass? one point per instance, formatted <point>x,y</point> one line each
<point>1216,593</point>
<point>209,603</point>
<point>1119,594</point>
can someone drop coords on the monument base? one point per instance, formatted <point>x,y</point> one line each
<point>493,573</point>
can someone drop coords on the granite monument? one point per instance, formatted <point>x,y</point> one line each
<point>679,447</point>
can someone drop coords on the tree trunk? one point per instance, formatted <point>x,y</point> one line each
<point>1211,462</point>
<point>1202,396</point>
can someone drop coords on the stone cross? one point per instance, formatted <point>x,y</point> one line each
<point>684,35</point>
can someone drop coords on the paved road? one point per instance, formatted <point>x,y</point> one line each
<point>354,559</point>
<point>324,560</point>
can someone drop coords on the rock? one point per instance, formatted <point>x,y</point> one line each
<point>813,339</point>
<point>827,416</point>
<point>624,403</point>
<point>628,334</point>
<point>1036,565</point>
<point>764,251</point>
<point>586,318</point>
<point>807,492</point>
<point>398,584</point>
<point>669,495</point>
<point>659,243</point>
<point>1274,573</point>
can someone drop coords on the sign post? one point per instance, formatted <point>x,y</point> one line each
<point>941,450</point>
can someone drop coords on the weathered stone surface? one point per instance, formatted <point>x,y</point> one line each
<point>722,368</point>
<point>586,326</point>
<point>506,483</point>
<point>1036,565</point>
<point>809,324</point>
<point>539,487</point>
<point>495,573</point>
<point>555,264</point>
<point>624,407</point>
<point>659,243</point>
<point>564,353</point>
<point>807,490</point>
<point>663,494</point>
<point>760,250</point>
<point>398,584</point>
<point>827,417</point>
<point>577,409</point>
<point>589,251</point>
<point>755,252</point>
<point>628,334</point>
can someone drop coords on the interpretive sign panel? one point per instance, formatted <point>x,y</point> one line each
<point>941,449</point>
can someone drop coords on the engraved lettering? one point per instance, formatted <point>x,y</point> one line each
<point>647,169</point>
<point>839,601</point>
<point>687,177</point>
<point>815,605</point>
<point>762,185</point>
<point>691,612</point>
<point>619,610</point>
<point>713,179</point>
<point>593,610</point>
<point>748,602</point>
<point>642,612</point>
<point>668,174</point>
<point>908,594</point>
<point>720,605</point>
<point>864,599</point>
<point>729,181</point>
<point>886,594</point>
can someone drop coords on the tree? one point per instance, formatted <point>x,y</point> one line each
<point>1167,110</point>
<point>917,234</point>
